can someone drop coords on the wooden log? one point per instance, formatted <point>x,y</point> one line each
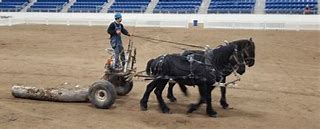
<point>51,94</point>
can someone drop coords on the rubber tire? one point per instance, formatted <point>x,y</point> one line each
<point>122,86</point>
<point>124,89</point>
<point>102,86</point>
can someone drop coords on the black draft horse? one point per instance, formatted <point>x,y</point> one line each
<point>248,49</point>
<point>188,71</point>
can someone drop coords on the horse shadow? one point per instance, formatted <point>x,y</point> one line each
<point>181,108</point>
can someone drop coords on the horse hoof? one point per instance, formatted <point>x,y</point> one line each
<point>225,105</point>
<point>143,107</point>
<point>192,108</point>
<point>166,110</point>
<point>173,99</point>
<point>213,115</point>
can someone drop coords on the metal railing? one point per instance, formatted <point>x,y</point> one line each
<point>227,21</point>
<point>93,22</point>
<point>127,11</point>
<point>142,9</point>
<point>56,9</point>
<point>16,9</point>
<point>10,9</point>
<point>290,12</point>
<point>231,11</point>
<point>97,9</point>
<point>177,11</point>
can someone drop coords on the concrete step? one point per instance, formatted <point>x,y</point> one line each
<point>107,6</point>
<point>66,7</point>
<point>203,9</point>
<point>318,7</point>
<point>259,7</point>
<point>28,6</point>
<point>151,6</point>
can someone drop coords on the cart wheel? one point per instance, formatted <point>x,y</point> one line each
<point>102,94</point>
<point>125,88</point>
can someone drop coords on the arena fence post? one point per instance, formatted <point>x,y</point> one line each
<point>90,24</point>
<point>47,21</point>
<point>10,22</point>
<point>68,22</point>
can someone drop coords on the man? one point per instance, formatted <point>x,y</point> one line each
<point>115,29</point>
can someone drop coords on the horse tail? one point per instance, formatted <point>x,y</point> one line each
<point>148,68</point>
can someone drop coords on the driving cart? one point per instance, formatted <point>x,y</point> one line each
<point>115,81</point>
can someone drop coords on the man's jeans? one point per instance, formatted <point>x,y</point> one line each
<point>116,44</point>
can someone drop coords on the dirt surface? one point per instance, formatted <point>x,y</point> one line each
<point>280,92</point>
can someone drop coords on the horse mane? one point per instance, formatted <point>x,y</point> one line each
<point>241,42</point>
<point>219,51</point>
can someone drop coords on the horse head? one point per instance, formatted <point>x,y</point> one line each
<point>237,61</point>
<point>248,49</point>
<point>227,58</point>
<point>249,53</point>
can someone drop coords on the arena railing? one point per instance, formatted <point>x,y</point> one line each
<point>127,11</point>
<point>210,21</point>
<point>16,9</point>
<point>97,9</point>
<point>56,9</point>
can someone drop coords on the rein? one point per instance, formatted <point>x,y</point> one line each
<point>233,82</point>
<point>170,42</point>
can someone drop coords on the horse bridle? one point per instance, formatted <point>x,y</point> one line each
<point>230,67</point>
<point>248,58</point>
<point>235,57</point>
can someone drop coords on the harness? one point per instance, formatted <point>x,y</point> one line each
<point>191,60</point>
<point>247,54</point>
<point>229,67</point>
<point>159,65</point>
<point>207,62</point>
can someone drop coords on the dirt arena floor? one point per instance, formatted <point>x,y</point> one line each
<point>282,90</point>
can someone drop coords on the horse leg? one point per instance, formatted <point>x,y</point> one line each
<point>210,111</point>
<point>170,95</point>
<point>202,100</point>
<point>158,91</point>
<point>145,98</point>
<point>223,99</point>
<point>183,89</point>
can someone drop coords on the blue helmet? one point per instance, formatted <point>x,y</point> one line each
<point>117,16</point>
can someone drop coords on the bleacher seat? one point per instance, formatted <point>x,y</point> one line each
<point>175,6</point>
<point>129,6</point>
<point>48,6</point>
<point>231,6</point>
<point>12,5</point>
<point>290,6</point>
<point>87,6</point>
<point>163,6</point>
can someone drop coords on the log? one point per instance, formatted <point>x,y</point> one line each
<point>51,94</point>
